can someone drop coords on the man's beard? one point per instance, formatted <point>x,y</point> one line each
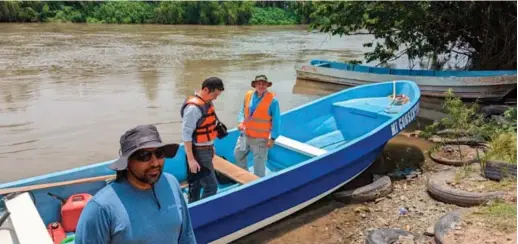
<point>147,178</point>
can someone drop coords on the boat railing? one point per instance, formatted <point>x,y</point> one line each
<point>323,65</point>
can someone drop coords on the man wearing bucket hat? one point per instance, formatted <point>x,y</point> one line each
<point>259,122</point>
<point>143,204</point>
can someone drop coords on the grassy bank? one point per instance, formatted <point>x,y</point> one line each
<point>465,120</point>
<point>122,12</point>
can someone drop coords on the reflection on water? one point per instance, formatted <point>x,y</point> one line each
<point>316,88</point>
<point>68,91</point>
<point>149,82</point>
<point>16,96</point>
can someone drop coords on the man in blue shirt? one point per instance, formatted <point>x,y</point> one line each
<point>143,204</point>
<point>259,122</point>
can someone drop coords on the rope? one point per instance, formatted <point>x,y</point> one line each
<point>322,41</point>
<point>397,100</point>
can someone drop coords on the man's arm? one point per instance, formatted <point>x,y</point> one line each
<point>188,150</point>
<point>275,112</point>
<point>241,114</point>
<point>93,226</point>
<point>191,116</point>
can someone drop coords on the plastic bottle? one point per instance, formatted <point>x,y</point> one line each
<point>242,142</point>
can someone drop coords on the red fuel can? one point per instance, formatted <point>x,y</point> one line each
<point>71,210</point>
<point>56,232</point>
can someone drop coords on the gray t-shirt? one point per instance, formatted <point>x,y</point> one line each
<point>191,114</point>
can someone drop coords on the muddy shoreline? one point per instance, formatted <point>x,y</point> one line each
<point>332,221</point>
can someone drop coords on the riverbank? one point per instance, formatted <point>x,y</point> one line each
<point>447,199</point>
<point>330,221</point>
<point>463,196</point>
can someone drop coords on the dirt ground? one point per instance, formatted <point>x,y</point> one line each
<point>330,221</point>
<point>452,152</point>
<point>480,232</point>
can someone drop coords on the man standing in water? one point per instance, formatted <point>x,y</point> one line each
<point>259,122</point>
<point>143,204</point>
<point>199,131</point>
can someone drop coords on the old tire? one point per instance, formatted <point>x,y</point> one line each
<point>489,110</point>
<point>452,162</point>
<point>370,192</point>
<point>452,132</point>
<point>497,170</point>
<point>439,190</point>
<point>444,225</point>
<point>386,236</point>
<point>472,141</point>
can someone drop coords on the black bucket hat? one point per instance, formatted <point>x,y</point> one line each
<point>261,78</point>
<point>142,136</point>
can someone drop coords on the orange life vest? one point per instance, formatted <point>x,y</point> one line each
<point>259,125</point>
<point>206,126</point>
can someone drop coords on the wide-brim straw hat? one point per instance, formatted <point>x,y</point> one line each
<point>261,78</point>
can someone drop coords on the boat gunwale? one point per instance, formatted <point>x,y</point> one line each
<point>454,81</point>
<point>436,73</point>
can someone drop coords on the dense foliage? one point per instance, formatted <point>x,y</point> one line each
<point>465,120</point>
<point>483,32</point>
<point>147,12</point>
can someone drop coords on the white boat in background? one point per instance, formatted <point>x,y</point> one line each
<point>483,85</point>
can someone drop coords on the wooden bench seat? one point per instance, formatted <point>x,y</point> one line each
<point>233,171</point>
<point>300,147</point>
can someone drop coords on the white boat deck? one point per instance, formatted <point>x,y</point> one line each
<point>26,222</point>
<point>300,147</point>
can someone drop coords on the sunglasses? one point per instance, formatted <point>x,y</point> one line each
<point>144,156</point>
<point>263,83</point>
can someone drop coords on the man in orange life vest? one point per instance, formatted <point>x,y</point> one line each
<point>259,123</point>
<point>199,132</point>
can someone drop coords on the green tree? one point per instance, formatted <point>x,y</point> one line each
<point>484,32</point>
<point>169,13</point>
<point>139,12</point>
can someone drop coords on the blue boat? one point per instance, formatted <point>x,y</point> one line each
<point>324,145</point>
<point>485,85</point>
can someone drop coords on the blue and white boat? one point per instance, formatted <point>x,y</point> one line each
<point>324,145</point>
<point>484,85</point>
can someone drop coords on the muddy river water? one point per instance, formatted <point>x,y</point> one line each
<point>68,91</point>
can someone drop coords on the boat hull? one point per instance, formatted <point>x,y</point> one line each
<point>349,128</point>
<point>230,217</point>
<point>490,88</point>
<point>267,206</point>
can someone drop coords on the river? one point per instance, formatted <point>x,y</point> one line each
<point>68,91</point>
